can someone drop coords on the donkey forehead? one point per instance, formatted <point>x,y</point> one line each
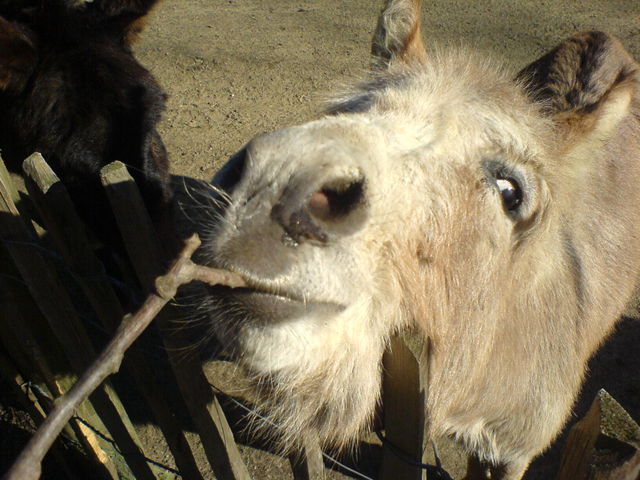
<point>469,114</point>
<point>448,110</point>
<point>379,143</point>
<point>456,97</point>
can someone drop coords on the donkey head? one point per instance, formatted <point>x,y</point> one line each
<point>443,196</point>
<point>71,89</point>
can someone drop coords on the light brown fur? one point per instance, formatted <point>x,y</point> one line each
<point>408,228</point>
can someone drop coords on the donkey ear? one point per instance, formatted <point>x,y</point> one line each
<point>17,56</point>
<point>127,14</point>
<point>587,83</point>
<point>398,35</point>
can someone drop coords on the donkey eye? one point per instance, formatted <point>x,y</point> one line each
<point>511,193</point>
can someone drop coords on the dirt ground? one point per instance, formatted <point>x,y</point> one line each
<point>236,68</point>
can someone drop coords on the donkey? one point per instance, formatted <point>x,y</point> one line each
<point>71,89</point>
<point>495,216</point>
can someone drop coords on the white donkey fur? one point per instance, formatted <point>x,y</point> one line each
<point>391,212</point>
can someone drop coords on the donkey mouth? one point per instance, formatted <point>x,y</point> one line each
<point>263,305</point>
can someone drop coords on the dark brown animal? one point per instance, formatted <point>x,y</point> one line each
<point>71,89</point>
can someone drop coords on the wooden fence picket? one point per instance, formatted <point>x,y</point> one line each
<point>308,464</point>
<point>403,411</point>
<point>58,212</point>
<point>28,339</point>
<point>146,256</point>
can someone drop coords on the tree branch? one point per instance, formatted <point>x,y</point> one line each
<point>28,464</point>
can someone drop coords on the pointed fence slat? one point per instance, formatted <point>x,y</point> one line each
<point>54,302</point>
<point>70,238</point>
<point>58,212</point>
<point>9,189</point>
<point>404,407</point>
<point>146,255</point>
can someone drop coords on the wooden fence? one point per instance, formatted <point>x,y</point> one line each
<point>50,277</point>
<point>45,340</point>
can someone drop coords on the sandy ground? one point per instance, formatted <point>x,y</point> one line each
<point>236,68</point>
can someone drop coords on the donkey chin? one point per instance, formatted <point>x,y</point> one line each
<point>308,356</point>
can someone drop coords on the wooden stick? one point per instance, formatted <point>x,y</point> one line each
<point>28,464</point>
<point>146,254</point>
<point>55,303</point>
<point>57,210</point>
<point>36,359</point>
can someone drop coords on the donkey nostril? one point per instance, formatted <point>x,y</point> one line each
<point>320,216</point>
<point>319,205</point>
<point>336,199</point>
